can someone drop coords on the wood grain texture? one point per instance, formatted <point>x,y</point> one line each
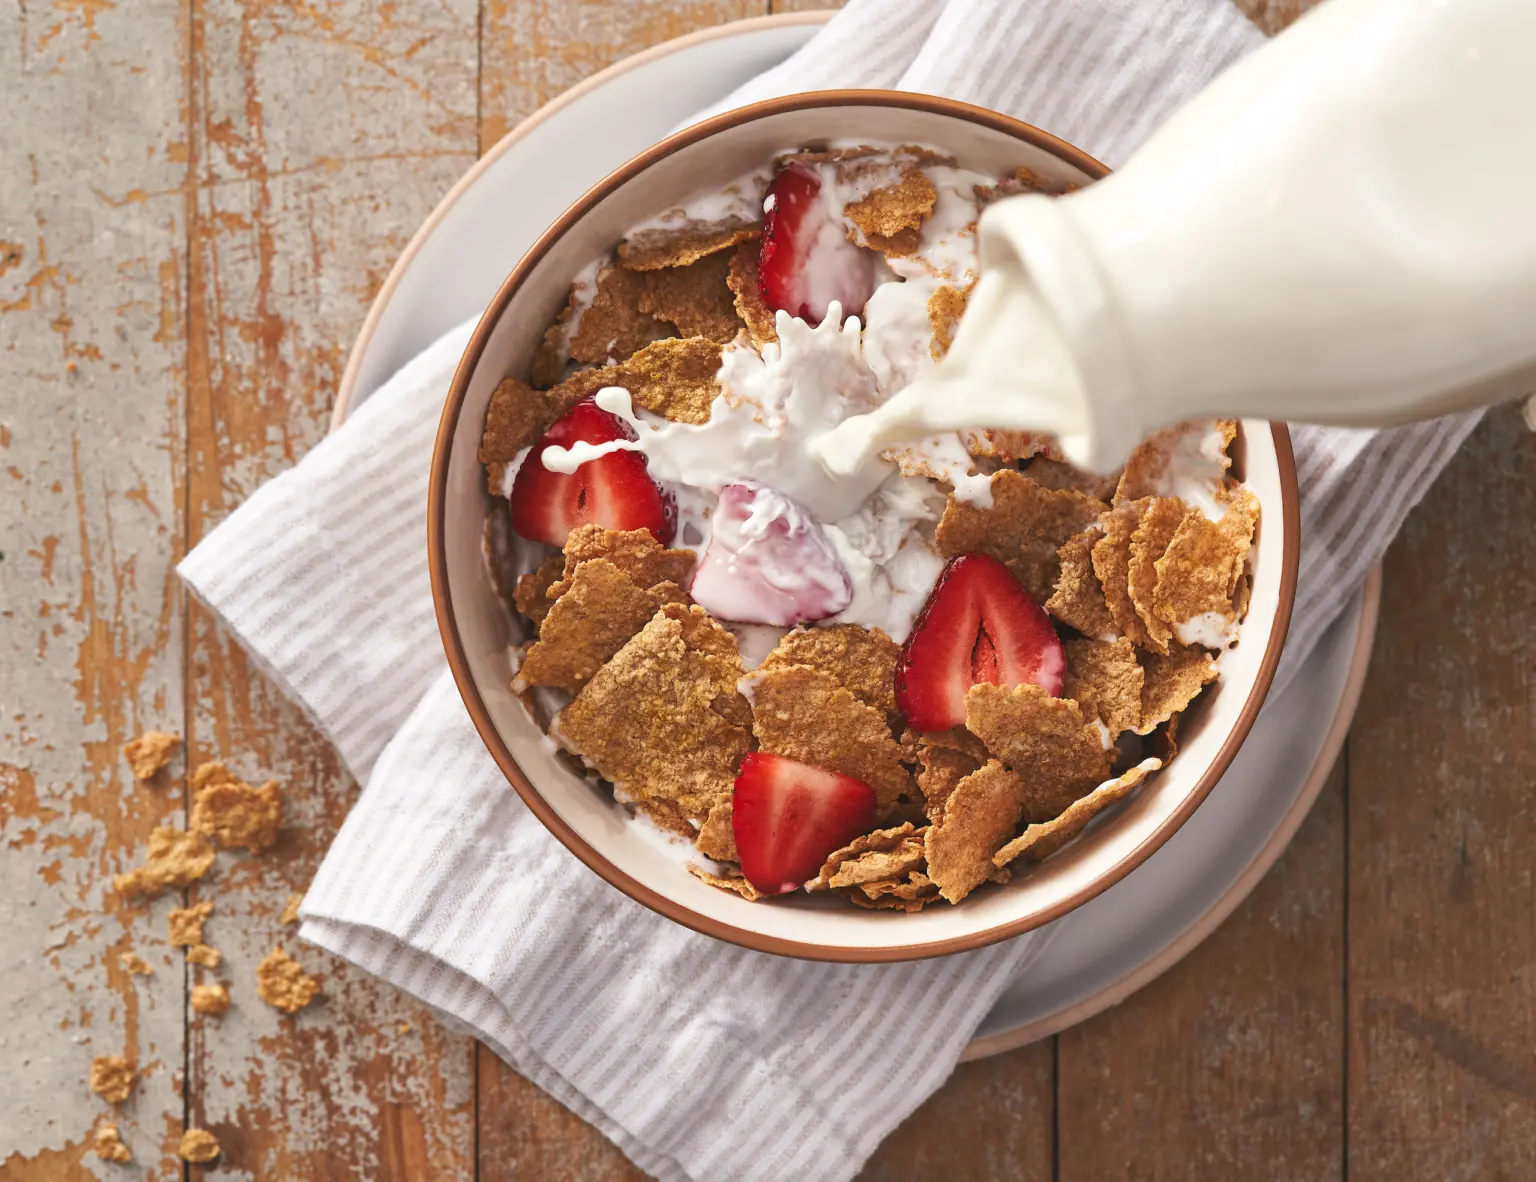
<point>92,252</point>
<point>1442,910</point>
<point>322,135</point>
<point>1230,1065</point>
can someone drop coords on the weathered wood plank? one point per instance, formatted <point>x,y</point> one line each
<point>1230,1065</point>
<point>992,1119</point>
<point>322,135</point>
<point>1442,911</point>
<point>91,306</point>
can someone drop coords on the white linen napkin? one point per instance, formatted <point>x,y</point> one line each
<point>700,1060</point>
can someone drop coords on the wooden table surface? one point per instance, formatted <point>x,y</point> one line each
<point>198,200</point>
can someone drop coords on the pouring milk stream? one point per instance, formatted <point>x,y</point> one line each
<point>1341,230</point>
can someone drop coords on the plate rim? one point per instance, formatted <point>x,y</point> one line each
<point>346,389</point>
<point>1230,899</point>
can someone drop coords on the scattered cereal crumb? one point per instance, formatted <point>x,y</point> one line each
<point>681,245</point>
<point>135,964</point>
<point>635,552</point>
<point>283,984</point>
<point>1173,682</point>
<point>177,858</point>
<point>663,717</point>
<point>1025,528</point>
<point>614,326</point>
<point>742,280</point>
<point>696,299</point>
<point>1044,839</point>
<point>150,752</point>
<point>518,415</point>
<point>1154,530</point>
<point>210,999</point>
<point>945,307</point>
<point>979,817</point>
<point>205,955</point>
<point>233,813</point>
<point>186,923</point>
<point>890,219</point>
<point>909,893</point>
<point>1007,446</point>
<point>805,714</point>
<point>668,815</point>
<point>1057,751</point>
<point>109,1145</point>
<point>1024,180</point>
<point>112,1078</point>
<point>735,883</point>
<point>717,835</point>
<point>1105,679</point>
<point>532,594</point>
<point>940,769</point>
<point>198,1146</point>
<point>1052,473</point>
<point>673,378</point>
<point>1078,599</point>
<point>594,618</point>
<point>862,659</point>
<point>291,909</point>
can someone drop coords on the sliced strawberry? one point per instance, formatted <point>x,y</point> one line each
<point>806,260</point>
<point>787,817</point>
<point>768,562</point>
<point>614,490</point>
<point>979,624</point>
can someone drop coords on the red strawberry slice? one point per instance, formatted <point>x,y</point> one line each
<point>614,490</point>
<point>979,624</point>
<point>768,562</point>
<point>806,260</point>
<point>787,817</point>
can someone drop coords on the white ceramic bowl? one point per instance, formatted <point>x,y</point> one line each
<point>477,628</point>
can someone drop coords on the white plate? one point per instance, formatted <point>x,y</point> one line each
<point>1103,951</point>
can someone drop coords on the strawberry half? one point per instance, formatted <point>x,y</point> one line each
<point>614,490</point>
<point>787,817</point>
<point>806,260</point>
<point>979,624</point>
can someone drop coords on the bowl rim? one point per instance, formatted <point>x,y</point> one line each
<point>458,660</point>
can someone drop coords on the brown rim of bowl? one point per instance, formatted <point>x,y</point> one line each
<point>454,645</point>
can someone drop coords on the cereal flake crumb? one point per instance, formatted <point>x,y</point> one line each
<point>696,299</point>
<point>1057,474</point>
<point>186,923</point>
<point>614,326</point>
<point>1078,599</point>
<point>518,415</point>
<point>1159,520</point>
<point>717,835</point>
<point>1025,527</point>
<point>150,752</point>
<point>177,858</point>
<point>283,984</point>
<point>1173,682</point>
<point>108,1145</point>
<point>945,307</point>
<point>198,1146</point>
<point>1112,566</point>
<point>1203,565</point>
<point>640,556</point>
<point>1058,753</point>
<point>979,817</point>
<point>205,955</point>
<point>291,909</point>
<point>1044,839</point>
<point>134,964</point>
<point>232,813</point>
<point>531,596</point>
<point>890,219</point>
<point>212,1000</point>
<point>112,1078</point>
<point>1179,449</point>
<point>884,855</point>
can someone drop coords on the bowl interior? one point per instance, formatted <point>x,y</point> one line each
<point>647,863</point>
